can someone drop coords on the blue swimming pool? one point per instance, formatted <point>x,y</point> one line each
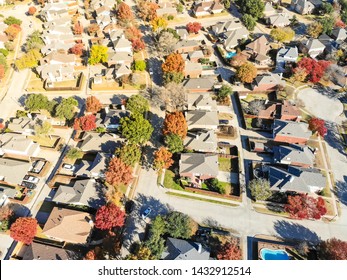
<point>230,55</point>
<point>270,255</point>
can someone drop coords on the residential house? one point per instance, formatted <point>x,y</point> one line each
<point>289,112</point>
<point>257,50</point>
<point>201,101</point>
<point>93,169</point>
<point>13,145</point>
<point>53,11</point>
<point>13,171</point>
<point>58,22</point>
<point>204,84</point>
<point>98,142</point>
<point>182,33</point>
<point>286,55</point>
<point>192,69</point>
<point>56,72</point>
<point>291,132</point>
<point>123,70</point>
<point>278,20</point>
<point>119,58</point>
<point>205,8</point>
<point>69,225</point>
<point>166,9</point>
<point>186,46</point>
<point>295,179</point>
<point>201,140</point>
<point>122,45</point>
<point>313,47</point>
<point>22,125</point>
<point>110,118</point>
<point>296,155</point>
<point>179,249</point>
<point>305,7</point>
<point>6,193</point>
<point>195,56</point>
<point>38,251</point>
<point>339,34</point>
<point>269,10</point>
<point>57,46</point>
<point>200,119</point>
<point>226,26</point>
<point>267,82</point>
<point>234,37</point>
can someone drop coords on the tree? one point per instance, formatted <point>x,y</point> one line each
<point>174,143</point>
<point>175,123</point>
<point>332,249</point>
<point>74,153</point>
<point>91,255</point>
<point>173,77</point>
<point>66,108</point>
<point>162,159</point>
<point>249,22</point>
<point>255,106</point>
<point>6,215</point>
<point>29,60</point>
<point>77,49</point>
<point>246,72</point>
<point>136,129</point>
<point>314,69</point>
<point>143,253</point>
<point>299,75</point>
<point>226,4</point>
<point>98,53</point>
<point>43,129</point>
<point>78,28</point>
<point>137,104</point>
<point>24,230</point>
<point>318,125</point>
<point>109,216</point>
<point>282,34</point>
<point>238,60</point>
<point>174,63</point>
<point>37,102</point>
<point>138,45</point>
<point>325,8</point>
<point>124,13</point>
<point>31,10</point>
<point>302,206</point>
<point>223,93</point>
<point>34,41</point>
<point>9,46</point>
<point>327,23</point>
<point>315,29</point>
<point>132,33</point>
<point>93,105</point>
<point>260,189</point>
<point>147,11</point>
<point>140,65</point>
<point>93,28</point>
<point>173,95</point>
<point>178,225</point>
<point>85,123</point>
<point>229,251</point>
<point>255,8</point>
<point>2,72</point>
<point>130,154</point>
<point>118,173</point>
<point>12,20</point>
<point>166,43</point>
<point>158,24</point>
<point>12,31</point>
<point>340,23</point>
<point>193,27</point>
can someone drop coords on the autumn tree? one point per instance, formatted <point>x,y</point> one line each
<point>2,72</point>
<point>166,43</point>
<point>93,105</point>
<point>146,10</point>
<point>175,123</point>
<point>28,60</point>
<point>98,54</point>
<point>332,249</point>
<point>138,44</point>
<point>318,125</point>
<point>34,41</point>
<point>44,129</point>
<point>162,159</point>
<point>139,65</point>
<point>282,34</point>
<point>132,33</point>
<point>91,255</point>
<point>24,230</point>
<point>178,225</point>
<point>118,173</point>
<point>238,60</point>
<point>6,213</point>
<point>246,73</point>
<point>74,153</point>
<point>314,69</point>
<point>77,49</point>
<point>31,10</point>
<point>315,29</point>
<point>93,28</point>
<point>229,251</point>
<point>327,23</point>
<point>130,154</point>
<point>109,216</point>
<point>136,129</point>
<point>255,8</point>
<point>193,27</point>
<point>173,67</point>
<point>143,253</point>
<point>85,123</point>
<point>124,13</point>
<point>158,24</point>
<point>12,31</point>
<point>78,28</point>
<point>66,108</point>
<point>137,104</point>
<point>174,143</point>
<point>302,206</point>
<point>299,75</point>
<point>173,95</point>
<point>260,189</point>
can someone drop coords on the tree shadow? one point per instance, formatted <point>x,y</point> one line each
<point>341,190</point>
<point>333,137</point>
<point>157,123</point>
<point>148,157</point>
<point>118,98</point>
<point>155,65</point>
<point>295,231</point>
<point>210,222</point>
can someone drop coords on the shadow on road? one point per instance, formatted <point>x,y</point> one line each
<point>333,137</point>
<point>341,190</point>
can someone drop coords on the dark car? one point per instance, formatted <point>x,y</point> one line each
<point>29,185</point>
<point>129,206</point>
<point>223,122</point>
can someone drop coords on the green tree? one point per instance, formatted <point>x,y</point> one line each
<point>178,225</point>
<point>130,154</point>
<point>255,8</point>
<point>174,143</point>
<point>29,60</point>
<point>327,23</point>
<point>282,34</point>
<point>224,92</point>
<point>100,129</point>
<point>136,129</point>
<point>315,29</point>
<point>226,4</point>
<point>173,77</point>
<point>44,129</point>
<point>140,65</point>
<point>34,41</point>
<point>156,242</point>
<point>179,8</point>
<point>249,21</point>
<point>36,102</point>
<point>137,104</point>
<point>260,189</point>
<point>326,8</point>
<point>12,20</point>
<point>98,54</point>
<point>66,108</point>
<point>74,153</point>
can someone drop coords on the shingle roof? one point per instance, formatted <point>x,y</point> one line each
<point>203,164</point>
<point>200,118</point>
<point>200,83</point>
<point>13,170</point>
<point>294,153</point>
<point>37,251</point>
<point>289,128</point>
<point>201,140</point>
<point>201,100</point>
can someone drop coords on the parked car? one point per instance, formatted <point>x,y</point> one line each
<point>146,213</point>
<point>221,143</point>
<point>68,167</point>
<point>129,206</point>
<point>31,179</point>
<point>223,122</point>
<point>29,185</point>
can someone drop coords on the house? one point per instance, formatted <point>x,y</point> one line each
<point>267,82</point>
<point>22,125</point>
<point>84,192</point>
<point>201,101</point>
<point>13,171</point>
<point>119,58</point>
<point>56,72</point>
<point>69,225</point>
<point>287,55</point>
<point>200,119</point>
<point>122,45</point>
<point>6,193</point>
<point>53,11</point>
<point>179,249</point>
<point>185,46</point>
<point>123,70</point>
<point>195,56</point>
<point>18,145</point>
<point>269,10</point>
<point>182,33</point>
<point>225,26</point>
<point>93,169</point>
<point>289,112</point>
<point>297,155</point>
<point>201,140</point>
<point>295,179</point>
<point>192,69</point>
<point>278,20</point>
<point>56,46</point>
<point>98,142</point>
<point>257,50</point>
<point>217,7</point>
<point>291,132</point>
<point>305,7</point>
<point>38,251</point>
<point>313,47</point>
<point>199,85</point>
<point>110,118</point>
<point>166,9</point>
<point>205,8</point>
<point>234,37</point>
<point>339,34</point>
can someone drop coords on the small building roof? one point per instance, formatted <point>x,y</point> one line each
<point>38,251</point>
<point>201,100</point>
<point>13,170</point>
<point>291,129</point>
<point>201,140</point>
<point>201,118</point>
<point>179,249</point>
<point>202,164</point>
<point>199,83</point>
<point>294,153</point>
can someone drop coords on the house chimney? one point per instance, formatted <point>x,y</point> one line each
<point>106,110</point>
<point>122,107</point>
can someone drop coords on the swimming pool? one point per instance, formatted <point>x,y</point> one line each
<point>230,55</point>
<point>270,255</point>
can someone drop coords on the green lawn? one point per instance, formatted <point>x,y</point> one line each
<point>169,181</point>
<point>202,199</point>
<point>225,164</point>
<point>44,141</point>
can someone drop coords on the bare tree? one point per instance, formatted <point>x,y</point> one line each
<point>174,96</point>
<point>166,43</point>
<point>255,106</point>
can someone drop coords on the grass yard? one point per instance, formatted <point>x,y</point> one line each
<point>250,97</point>
<point>44,141</point>
<point>169,181</point>
<point>225,164</point>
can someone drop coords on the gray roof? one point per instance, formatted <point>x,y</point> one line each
<point>187,43</point>
<point>293,154</point>
<point>291,129</point>
<point>13,170</point>
<point>279,20</point>
<point>201,140</point>
<point>196,54</point>
<point>95,168</point>
<point>200,83</point>
<point>233,37</point>
<point>8,191</point>
<point>179,249</point>
<point>192,66</point>
<point>340,34</point>
<point>289,54</point>
<point>295,179</point>
<point>21,124</point>
<point>201,119</point>
<point>37,251</point>
<point>268,78</point>
<point>100,142</point>
<point>12,142</point>
<point>121,43</point>
<point>83,192</point>
<point>201,101</point>
<point>202,164</point>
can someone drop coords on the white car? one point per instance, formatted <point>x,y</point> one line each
<point>68,167</point>
<point>31,179</point>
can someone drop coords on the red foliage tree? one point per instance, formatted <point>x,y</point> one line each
<point>31,10</point>
<point>85,123</point>
<point>24,230</point>
<point>314,69</point>
<point>193,27</point>
<point>78,28</point>
<point>2,71</point>
<point>77,49</point>
<point>138,45</point>
<point>175,123</point>
<point>174,63</point>
<point>163,158</point>
<point>6,212</point>
<point>302,206</point>
<point>118,172</point>
<point>108,217</point>
<point>2,126</point>
<point>333,249</point>
<point>132,33</point>
<point>340,23</point>
<point>93,104</point>
<point>124,12</point>
<point>229,251</point>
<point>318,125</point>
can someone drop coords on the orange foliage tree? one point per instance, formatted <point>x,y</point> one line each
<point>12,31</point>
<point>118,172</point>
<point>85,123</point>
<point>78,28</point>
<point>93,104</point>
<point>175,123</point>
<point>124,12</point>
<point>31,10</point>
<point>163,158</point>
<point>24,230</point>
<point>174,63</point>
<point>229,251</point>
